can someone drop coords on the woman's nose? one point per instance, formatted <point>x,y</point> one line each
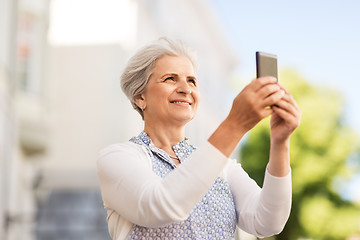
<point>183,87</point>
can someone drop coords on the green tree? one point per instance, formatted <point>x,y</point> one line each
<point>320,148</point>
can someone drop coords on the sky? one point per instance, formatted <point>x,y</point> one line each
<point>319,39</point>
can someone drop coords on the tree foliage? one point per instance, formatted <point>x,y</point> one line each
<point>320,148</point>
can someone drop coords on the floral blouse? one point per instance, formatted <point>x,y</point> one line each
<point>214,217</point>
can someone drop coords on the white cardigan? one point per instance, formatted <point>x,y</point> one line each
<point>134,194</point>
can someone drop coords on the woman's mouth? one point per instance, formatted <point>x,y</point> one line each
<point>182,103</point>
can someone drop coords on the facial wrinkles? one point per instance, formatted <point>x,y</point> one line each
<point>177,88</point>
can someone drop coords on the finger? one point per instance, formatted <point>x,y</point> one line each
<point>273,98</point>
<point>262,81</point>
<point>290,99</point>
<point>288,107</point>
<point>283,87</point>
<point>285,115</point>
<point>288,94</point>
<point>267,90</point>
<point>266,112</point>
<point>290,119</point>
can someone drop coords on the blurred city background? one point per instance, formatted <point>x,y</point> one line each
<point>60,103</point>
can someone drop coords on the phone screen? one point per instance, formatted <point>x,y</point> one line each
<point>266,65</point>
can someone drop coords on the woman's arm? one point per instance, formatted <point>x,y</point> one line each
<point>134,191</point>
<point>262,211</point>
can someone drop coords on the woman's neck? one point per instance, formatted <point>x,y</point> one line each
<point>165,137</point>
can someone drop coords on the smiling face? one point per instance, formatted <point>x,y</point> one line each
<point>172,95</point>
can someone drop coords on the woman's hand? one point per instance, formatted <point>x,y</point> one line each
<point>254,101</point>
<point>285,118</point>
<point>249,107</point>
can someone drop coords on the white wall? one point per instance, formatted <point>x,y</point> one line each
<point>6,110</point>
<point>17,171</point>
<point>88,111</point>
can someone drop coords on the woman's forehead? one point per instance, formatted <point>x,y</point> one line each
<point>174,65</point>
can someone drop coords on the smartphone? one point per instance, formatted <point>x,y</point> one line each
<point>266,65</point>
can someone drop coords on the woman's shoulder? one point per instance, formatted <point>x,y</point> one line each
<point>126,153</point>
<point>123,147</point>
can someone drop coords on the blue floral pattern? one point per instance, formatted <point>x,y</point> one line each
<point>214,217</point>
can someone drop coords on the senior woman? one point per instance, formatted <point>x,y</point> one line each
<point>159,186</point>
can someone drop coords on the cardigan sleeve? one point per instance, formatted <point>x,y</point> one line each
<point>262,211</point>
<point>134,191</point>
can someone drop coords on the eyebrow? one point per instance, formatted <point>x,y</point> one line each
<point>175,75</point>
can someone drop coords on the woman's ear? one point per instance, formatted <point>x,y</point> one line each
<point>140,101</point>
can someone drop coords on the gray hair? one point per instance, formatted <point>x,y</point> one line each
<point>138,70</point>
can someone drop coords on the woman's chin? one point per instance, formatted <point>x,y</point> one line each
<point>184,118</point>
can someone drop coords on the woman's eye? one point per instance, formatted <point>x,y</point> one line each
<point>169,79</point>
<point>192,81</point>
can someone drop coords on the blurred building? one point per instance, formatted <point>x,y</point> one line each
<point>61,101</point>
<point>6,108</point>
<point>23,123</point>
